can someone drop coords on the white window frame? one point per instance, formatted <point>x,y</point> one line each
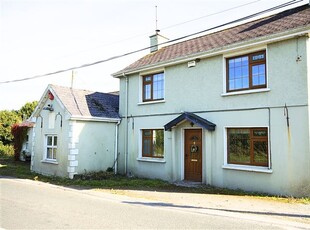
<point>150,159</point>
<point>240,53</point>
<point>251,168</point>
<point>50,146</point>
<point>141,75</point>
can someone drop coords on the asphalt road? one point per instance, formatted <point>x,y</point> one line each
<point>34,205</point>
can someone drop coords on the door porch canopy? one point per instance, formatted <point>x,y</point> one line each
<point>193,118</point>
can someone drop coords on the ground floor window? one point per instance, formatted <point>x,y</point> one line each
<point>51,147</point>
<point>247,146</point>
<point>153,143</point>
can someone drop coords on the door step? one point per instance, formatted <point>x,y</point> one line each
<point>189,184</point>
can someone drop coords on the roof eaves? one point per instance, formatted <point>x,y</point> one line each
<point>90,118</point>
<point>303,30</point>
<point>43,100</point>
<point>195,119</point>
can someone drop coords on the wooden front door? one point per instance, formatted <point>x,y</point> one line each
<point>193,155</point>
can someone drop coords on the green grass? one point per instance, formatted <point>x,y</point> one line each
<point>107,180</point>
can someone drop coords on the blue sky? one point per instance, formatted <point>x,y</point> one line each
<point>42,36</point>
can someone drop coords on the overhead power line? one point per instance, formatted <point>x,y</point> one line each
<point>209,15</point>
<point>146,48</point>
<point>166,28</point>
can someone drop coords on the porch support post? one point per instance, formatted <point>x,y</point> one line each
<point>208,157</point>
<point>173,157</point>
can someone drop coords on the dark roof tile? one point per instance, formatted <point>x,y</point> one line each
<point>281,22</point>
<point>87,103</point>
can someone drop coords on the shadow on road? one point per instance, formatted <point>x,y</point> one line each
<point>161,204</point>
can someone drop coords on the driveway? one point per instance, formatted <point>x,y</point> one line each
<point>29,204</point>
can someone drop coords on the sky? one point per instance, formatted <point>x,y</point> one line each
<point>42,36</point>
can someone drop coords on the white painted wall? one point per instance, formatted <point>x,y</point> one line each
<point>200,89</point>
<point>83,146</point>
<point>38,164</point>
<point>96,146</point>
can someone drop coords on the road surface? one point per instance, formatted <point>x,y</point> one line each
<point>29,204</point>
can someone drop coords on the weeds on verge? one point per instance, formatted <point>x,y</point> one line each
<point>108,180</point>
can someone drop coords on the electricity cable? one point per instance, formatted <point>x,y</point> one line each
<point>169,27</point>
<point>142,49</point>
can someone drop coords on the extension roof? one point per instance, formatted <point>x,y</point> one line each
<point>84,103</point>
<point>289,21</point>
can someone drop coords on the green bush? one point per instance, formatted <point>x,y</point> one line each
<point>6,151</point>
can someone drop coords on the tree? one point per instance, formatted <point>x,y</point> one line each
<point>27,109</point>
<point>7,119</point>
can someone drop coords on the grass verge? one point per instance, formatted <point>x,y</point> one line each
<point>107,180</point>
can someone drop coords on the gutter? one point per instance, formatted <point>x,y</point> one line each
<point>126,117</point>
<point>116,147</point>
<point>99,119</point>
<point>304,31</point>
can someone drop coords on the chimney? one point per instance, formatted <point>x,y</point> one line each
<point>156,40</point>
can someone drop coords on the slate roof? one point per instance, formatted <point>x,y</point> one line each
<point>87,103</point>
<point>295,18</point>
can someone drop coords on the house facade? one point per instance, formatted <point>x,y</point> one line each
<point>228,109</point>
<point>75,132</point>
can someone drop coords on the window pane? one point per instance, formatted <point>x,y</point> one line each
<point>245,82</point>
<point>49,153</point>
<point>55,152</point>
<point>147,78</point>
<point>55,141</point>
<point>147,133</point>
<point>147,92</point>
<point>146,151</point>
<point>237,62</point>
<point>239,146</point>
<point>245,61</point>
<point>260,152</point>
<point>245,71</point>
<point>248,146</point>
<point>259,133</point>
<point>153,143</point>
<point>49,140</point>
<point>238,83</point>
<point>231,73</point>
<point>238,73</point>
<point>158,143</point>
<point>258,57</point>
<point>158,86</point>
<point>240,68</point>
<point>258,75</point>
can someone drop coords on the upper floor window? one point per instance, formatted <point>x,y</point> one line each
<point>246,72</point>
<point>247,146</point>
<point>153,87</point>
<point>153,143</point>
<point>51,147</point>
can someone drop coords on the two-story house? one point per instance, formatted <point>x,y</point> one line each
<point>229,109</point>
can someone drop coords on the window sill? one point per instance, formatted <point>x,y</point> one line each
<point>245,92</point>
<point>54,162</point>
<point>151,102</point>
<point>149,159</point>
<point>248,168</point>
